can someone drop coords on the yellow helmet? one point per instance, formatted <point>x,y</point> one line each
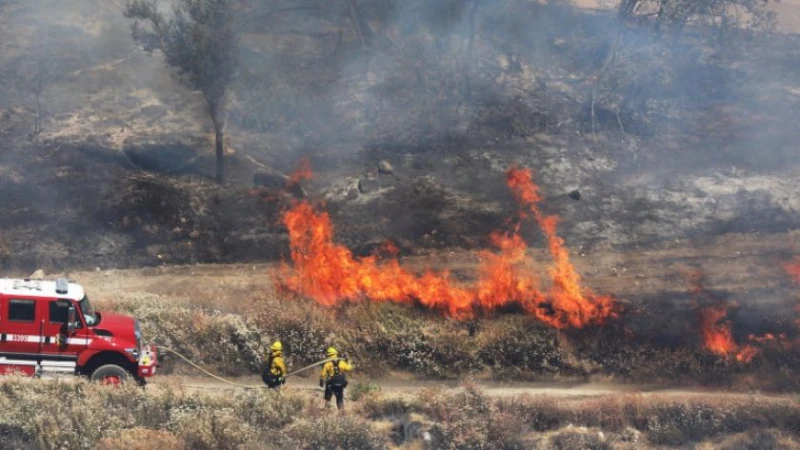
<point>276,346</point>
<point>332,353</point>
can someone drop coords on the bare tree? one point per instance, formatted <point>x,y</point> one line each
<point>200,42</point>
<point>724,15</point>
<point>31,73</point>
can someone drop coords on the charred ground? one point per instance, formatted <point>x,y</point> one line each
<point>120,174</point>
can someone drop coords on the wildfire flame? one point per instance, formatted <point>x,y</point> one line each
<point>302,172</point>
<point>715,331</point>
<point>717,336</point>
<point>575,305</point>
<point>793,269</point>
<point>329,273</point>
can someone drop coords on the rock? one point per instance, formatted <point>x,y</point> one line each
<point>631,435</point>
<point>276,180</point>
<point>367,185</point>
<point>38,275</point>
<point>194,234</point>
<point>154,250</point>
<point>384,168</point>
<point>413,430</point>
<point>297,190</point>
<point>369,248</point>
<point>269,179</point>
<point>352,194</point>
<point>575,195</point>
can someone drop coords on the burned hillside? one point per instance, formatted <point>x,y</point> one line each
<point>676,136</point>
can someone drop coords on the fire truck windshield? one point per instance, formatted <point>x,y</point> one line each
<point>88,312</point>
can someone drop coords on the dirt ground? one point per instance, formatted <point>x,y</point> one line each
<point>788,11</point>
<point>738,264</point>
<point>401,388</point>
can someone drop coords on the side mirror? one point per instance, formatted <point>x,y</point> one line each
<point>71,320</point>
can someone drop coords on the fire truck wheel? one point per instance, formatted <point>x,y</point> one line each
<point>110,374</point>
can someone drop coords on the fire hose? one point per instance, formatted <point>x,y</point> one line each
<point>233,383</point>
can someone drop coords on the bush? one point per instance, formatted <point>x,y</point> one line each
<point>518,347</point>
<point>382,338</point>
<point>87,415</point>
<point>360,390</point>
<point>213,428</point>
<point>142,439</point>
<point>226,343</point>
<point>759,440</point>
<point>335,433</point>
<point>580,440</point>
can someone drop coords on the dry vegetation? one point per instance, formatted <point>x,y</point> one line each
<point>77,415</point>
<point>387,339</point>
<point>108,164</point>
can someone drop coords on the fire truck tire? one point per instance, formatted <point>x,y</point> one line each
<point>110,373</point>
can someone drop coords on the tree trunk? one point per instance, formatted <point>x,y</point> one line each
<point>473,11</point>
<point>660,16</point>
<point>37,128</point>
<point>219,134</point>
<point>363,31</point>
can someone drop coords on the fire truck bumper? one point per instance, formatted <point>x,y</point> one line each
<point>148,361</point>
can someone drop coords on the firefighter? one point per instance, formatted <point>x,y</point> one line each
<point>275,370</point>
<point>333,379</point>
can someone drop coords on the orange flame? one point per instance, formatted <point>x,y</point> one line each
<point>329,273</point>
<point>302,172</point>
<point>389,248</point>
<point>793,269</point>
<point>715,331</point>
<point>574,305</point>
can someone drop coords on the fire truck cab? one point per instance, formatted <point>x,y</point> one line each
<point>49,327</point>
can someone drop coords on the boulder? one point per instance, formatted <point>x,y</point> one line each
<point>278,181</point>
<point>297,190</point>
<point>269,179</point>
<point>575,195</point>
<point>367,185</point>
<point>38,275</point>
<point>384,168</point>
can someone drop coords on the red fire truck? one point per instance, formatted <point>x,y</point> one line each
<point>50,328</point>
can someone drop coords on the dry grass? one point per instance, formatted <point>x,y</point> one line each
<point>79,415</point>
<point>390,338</point>
<point>468,419</point>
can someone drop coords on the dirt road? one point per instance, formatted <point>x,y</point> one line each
<point>493,389</point>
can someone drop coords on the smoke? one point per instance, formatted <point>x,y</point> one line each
<point>665,138</point>
<point>658,132</point>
